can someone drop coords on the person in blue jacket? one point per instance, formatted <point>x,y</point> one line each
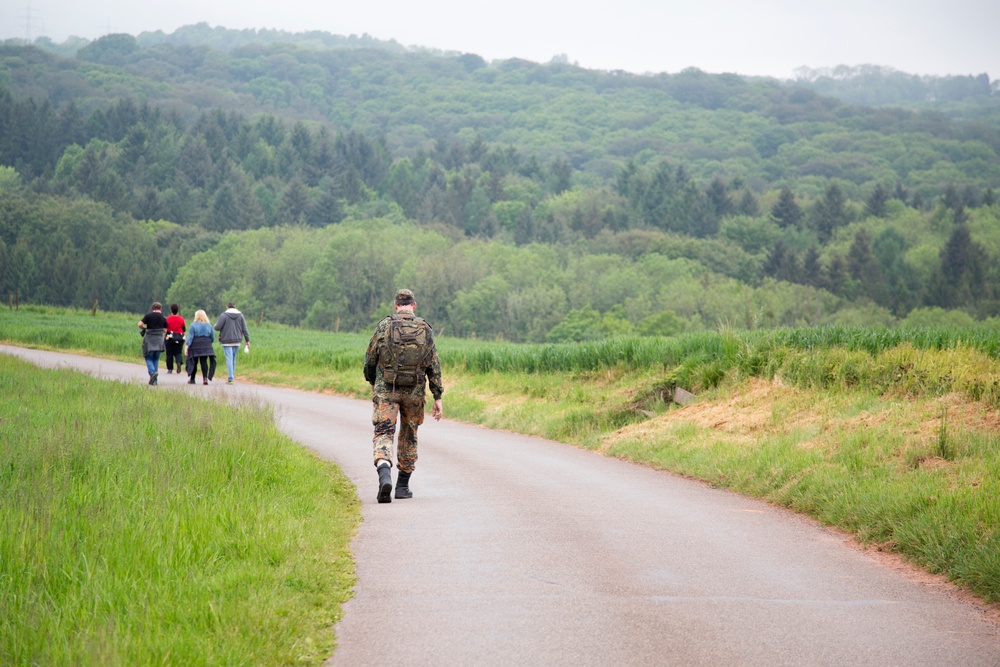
<point>198,348</point>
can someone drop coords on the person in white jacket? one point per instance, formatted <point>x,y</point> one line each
<point>232,328</point>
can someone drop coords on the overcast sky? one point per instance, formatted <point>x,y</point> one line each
<point>766,37</point>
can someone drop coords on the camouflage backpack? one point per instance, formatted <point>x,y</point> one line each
<point>404,353</point>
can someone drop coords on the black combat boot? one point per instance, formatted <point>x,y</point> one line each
<point>384,484</point>
<point>403,485</point>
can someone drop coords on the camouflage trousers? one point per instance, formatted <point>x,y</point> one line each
<point>408,409</point>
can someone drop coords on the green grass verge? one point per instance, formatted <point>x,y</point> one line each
<point>147,528</point>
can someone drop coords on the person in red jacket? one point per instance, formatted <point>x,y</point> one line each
<point>176,328</point>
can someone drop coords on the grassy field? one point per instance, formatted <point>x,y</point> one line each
<point>889,434</point>
<point>143,528</point>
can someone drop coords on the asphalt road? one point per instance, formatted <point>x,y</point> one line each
<point>521,551</point>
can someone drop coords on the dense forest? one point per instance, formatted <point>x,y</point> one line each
<point>307,176</point>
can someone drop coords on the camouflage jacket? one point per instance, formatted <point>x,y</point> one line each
<point>373,370</point>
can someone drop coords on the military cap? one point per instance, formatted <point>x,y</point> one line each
<point>404,296</point>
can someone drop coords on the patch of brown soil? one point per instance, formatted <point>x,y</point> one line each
<point>747,411</point>
<point>965,414</point>
<point>952,412</point>
<point>745,416</point>
<point>758,408</point>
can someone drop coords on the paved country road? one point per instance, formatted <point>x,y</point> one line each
<point>521,551</point>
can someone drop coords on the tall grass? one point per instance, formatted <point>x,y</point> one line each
<point>142,527</point>
<point>750,351</point>
<point>914,362</point>
<point>630,353</point>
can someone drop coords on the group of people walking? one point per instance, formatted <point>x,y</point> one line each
<point>197,343</point>
<point>400,364</point>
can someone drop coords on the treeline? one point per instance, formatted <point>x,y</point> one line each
<point>751,221</point>
<point>341,277</point>
<point>77,252</point>
<point>203,36</point>
<point>872,85</point>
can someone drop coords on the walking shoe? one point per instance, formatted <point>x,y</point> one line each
<point>191,381</point>
<point>403,485</point>
<point>205,382</point>
<point>152,378</point>
<point>384,484</point>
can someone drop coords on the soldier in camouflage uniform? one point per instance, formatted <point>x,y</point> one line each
<point>406,403</point>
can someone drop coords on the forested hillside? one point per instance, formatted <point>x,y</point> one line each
<point>307,176</point>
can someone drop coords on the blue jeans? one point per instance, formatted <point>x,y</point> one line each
<point>152,362</point>
<point>231,353</point>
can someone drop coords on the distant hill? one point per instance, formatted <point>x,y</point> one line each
<point>865,85</point>
<point>596,120</point>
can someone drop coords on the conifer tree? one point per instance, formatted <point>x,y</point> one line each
<point>875,205</point>
<point>748,205</point>
<point>812,268</point>
<point>830,212</point>
<point>786,211</point>
<point>866,270</point>
<point>718,198</point>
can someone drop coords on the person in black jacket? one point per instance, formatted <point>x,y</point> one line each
<point>153,327</point>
